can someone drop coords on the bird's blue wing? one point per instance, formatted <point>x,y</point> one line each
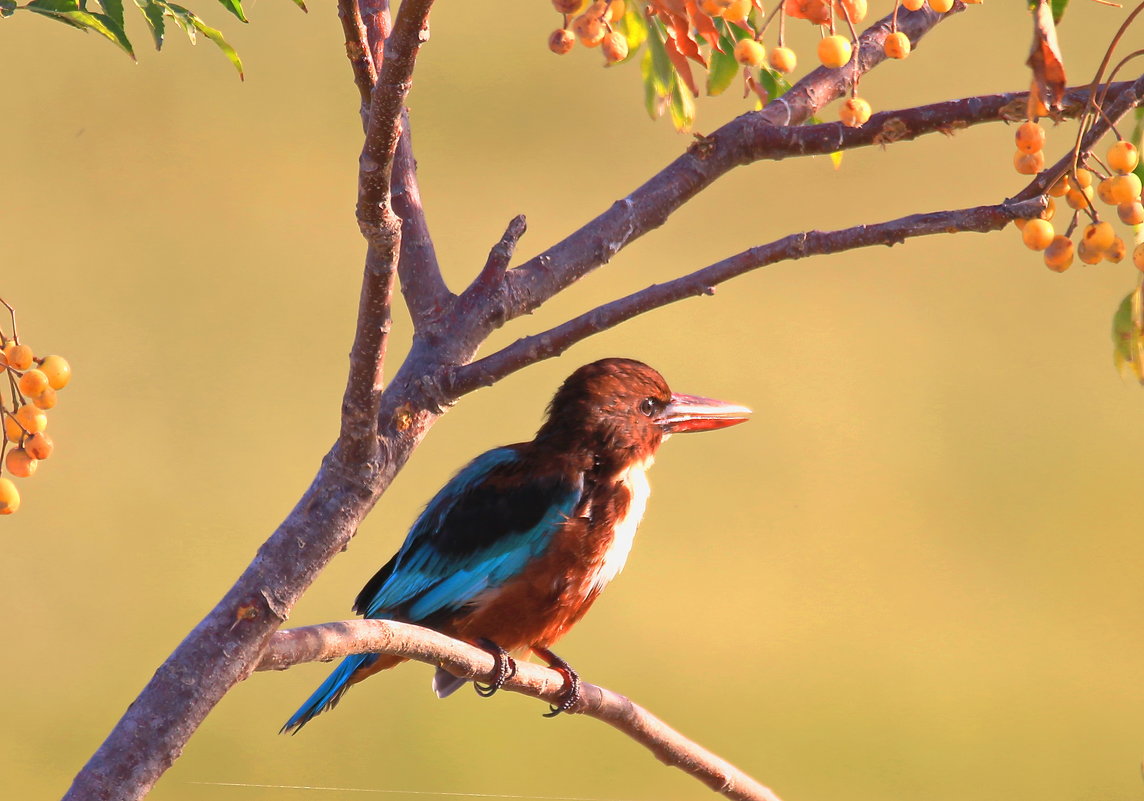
<point>483,527</point>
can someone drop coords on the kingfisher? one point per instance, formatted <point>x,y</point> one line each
<point>517,546</point>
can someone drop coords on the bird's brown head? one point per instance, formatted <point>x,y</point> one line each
<point>623,409</point>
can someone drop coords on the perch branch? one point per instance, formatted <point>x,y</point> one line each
<point>555,341</point>
<point>332,640</point>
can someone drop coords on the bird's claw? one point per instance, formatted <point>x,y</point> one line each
<point>504,668</point>
<point>571,682</point>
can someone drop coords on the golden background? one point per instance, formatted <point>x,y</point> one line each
<point>915,574</point>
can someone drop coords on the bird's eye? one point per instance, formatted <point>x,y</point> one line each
<point>647,407</point>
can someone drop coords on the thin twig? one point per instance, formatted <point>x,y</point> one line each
<point>422,285</point>
<point>703,282</point>
<point>332,640</point>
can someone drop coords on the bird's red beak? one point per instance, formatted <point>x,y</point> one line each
<point>693,413</point>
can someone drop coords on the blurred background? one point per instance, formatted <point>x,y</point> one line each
<point>916,572</point>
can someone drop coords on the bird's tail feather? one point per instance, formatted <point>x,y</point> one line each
<point>445,683</point>
<point>329,692</point>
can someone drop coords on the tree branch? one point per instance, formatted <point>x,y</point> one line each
<point>649,206</point>
<point>333,640</point>
<point>358,441</point>
<point>555,341</point>
<point>776,143</point>
<point>223,648</point>
<point>426,295</point>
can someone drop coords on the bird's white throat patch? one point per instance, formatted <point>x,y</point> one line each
<point>635,480</point>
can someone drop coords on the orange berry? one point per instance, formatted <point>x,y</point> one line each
<point>1037,234</point>
<point>615,47</point>
<point>1050,210</point>
<point>1088,255</point>
<point>45,400</point>
<point>19,356</point>
<point>31,418</point>
<point>1030,137</point>
<point>1059,253</point>
<point>913,5</point>
<point>1098,236</point>
<point>58,371</point>
<point>817,11</point>
<point>12,429</point>
<point>589,27</point>
<point>569,6</point>
<point>897,45</point>
<point>854,9</point>
<point>941,6</point>
<point>39,446</point>
<point>561,41</point>
<point>1123,189</point>
<point>1060,187</point>
<point>9,497</point>
<point>1028,163</point>
<point>1138,256</point>
<point>834,51</point>
<point>854,112</point>
<point>1123,156</point>
<point>20,464</point>
<point>33,382</point>
<point>1082,177</point>
<point>750,53</point>
<point>1131,213</point>
<point>783,59</point>
<point>1116,252</point>
<point>1079,198</point>
<point>1104,191</point>
<point>615,10</point>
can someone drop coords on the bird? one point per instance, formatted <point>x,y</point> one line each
<point>517,546</point>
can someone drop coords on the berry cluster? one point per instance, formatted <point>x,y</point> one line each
<point>1113,182</point>
<point>592,26</point>
<point>731,32</point>
<point>32,385</point>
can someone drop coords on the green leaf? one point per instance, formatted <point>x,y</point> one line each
<point>774,82</point>
<point>653,98</point>
<point>633,26</point>
<point>721,71</point>
<point>722,66</point>
<point>68,11</point>
<point>53,6</point>
<point>662,72</point>
<point>113,9</point>
<point>302,5</point>
<point>1127,335</point>
<point>682,107</point>
<point>190,23</point>
<point>153,13</point>
<point>7,8</point>
<point>223,45</point>
<point>235,7</point>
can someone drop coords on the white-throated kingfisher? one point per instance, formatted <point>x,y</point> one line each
<point>516,547</point>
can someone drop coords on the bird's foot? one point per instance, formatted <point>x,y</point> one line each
<point>571,682</point>
<point>504,668</point>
